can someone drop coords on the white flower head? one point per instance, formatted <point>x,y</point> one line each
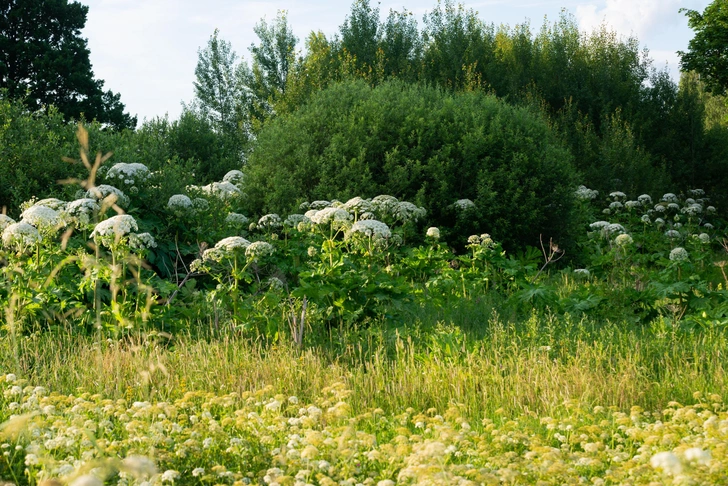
<point>617,195</point>
<point>258,250</point>
<point>330,215</point>
<point>169,476</point>
<point>616,205</point>
<point>236,220</point>
<point>142,241</point>
<point>81,210</point>
<point>129,173</point>
<point>234,177</point>
<point>696,192</point>
<point>198,471</point>
<point>319,204</point>
<point>109,193</point>
<point>645,199</point>
<point>599,225</point>
<point>232,243</point>
<point>179,204</point>
<point>20,235</point>
<point>692,209</point>
<point>660,208</point>
<point>139,466</point>
<point>52,203</point>
<point>406,211</point>
<point>632,204</point>
<point>667,461</point>
<point>5,221</point>
<point>646,218</point>
<point>583,193</point>
<point>43,218</point>
<point>358,205</point>
<point>582,271</point>
<point>623,240</point>
<point>672,234</point>
<point>370,228</point>
<point>270,221</point>
<point>294,220</point>
<point>669,198</point>
<point>614,228</point>
<point>433,233</point>
<point>384,204</point>
<point>114,228</point>
<point>222,190</point>
<point>679,254</point>
<point>464,204</point>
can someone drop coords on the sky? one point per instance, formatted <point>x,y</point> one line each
<point>147,49</point>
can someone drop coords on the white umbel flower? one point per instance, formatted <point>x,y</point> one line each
<point>259,249</point>
<point>236,219</point>
<point>5,221</point>
<point>142,241</point>
<point>370,228</point>
<point>679,254</point>
<point>464,204</point>
<point>319,204</point>
<point>329,215</point>
<point>20,235</point>
<point>81,210</point>
<point>104,191</point>
<point>117,226</point>
<point>221,190</point>
<point>42,217</point>
<point>667,461</point>
<point>128,173</point>
<point>623,240</point>
<point>583,193</point>
<point>271,221</point>
<point>52,203</point>
<point>433,233</point>
<point>233,177</point>
<point>232,243</point>
<point>179,203</point>
<point>406,211</point>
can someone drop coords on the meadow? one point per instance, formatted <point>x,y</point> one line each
<point>181,341</point>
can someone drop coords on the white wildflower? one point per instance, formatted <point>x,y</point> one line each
<point>20,235</point>
<point>598,225</point>
<point>330,215</point>
<point>118,226</point>
<point>221,190</point>
<point>319,205</point>
<point>632,204</point>
<point>645,199</point>
<point>86,480</point>
<point>673,206</point>
<point>294,220</point>
<point>358,205</point>
<point>5,221</point>
<point>464,204</point>
<point>43,218</point>
<point>614,228</point>
<point>384,204</point>
<point>274,283</point>
<point>616,205</point>
<point>234,177</point>
<point>710,209</point>
<point>646,218</point>
<point>200,204</point>
<point>617,194</point>
<point>198,471</point>
<point>270,221</point>
<point>406,211</point>
<point>679,254</point>
<point>129,173</point>
<point>259,249</point>
<point>582,271</point>
<point>81,210</point>
<point>672,234</point>
<point>669,197</point>
<point>179,203</point>
<point>659,221</point>
<point>708,226</point>
<point>433,233</point>
<point>585,194</point>
<point>139,466</point>
<point>370,228</point>
<point>108,193</point>
<point>697,455</point>
<point>623,240</point>
<point>660,208</point>
<point>169,476</point>
<point>52,203</point>
<point>693,209</point>
<point>667,461</point>
<point>142,241</point>
<point>231,244</point>
<point>236,220</point>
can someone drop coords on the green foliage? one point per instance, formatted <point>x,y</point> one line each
<point>708,50</point>
<point>44,61</point>
<point>422,144</point>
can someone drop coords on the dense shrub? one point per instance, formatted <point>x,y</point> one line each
<point>424,145</point>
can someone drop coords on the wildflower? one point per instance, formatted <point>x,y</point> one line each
<point>384,204</point>
<point>616,205</point>
<point>693,209</point>
<point>406,211</point>
<point>614,228</point>
<point>200,204</point>
<point>118,226</point>
<point>473,240</point>
<point>43,218</point>
<point>357,205</point>
<point>108,193</point>
<point>320,205</point>
<point>669,198</point>
<point>710,209</point>
<point>139,466</point>
<point>52,203</point>
<point>645,199</point>
<point>679,254</point>
<point>198,471</point>
<point>142,241</point>
<point>293,220</point>
<point>617,194</point>
<point>697,455</point>
<point>236,220</point>
<point>623,239</point>
<point>179,203</point>
<point>274,283</point>
<point>129,173</point>
<point>667,461</point>
<point>660,208</point>
<point>632,204</point>
<point>370,228</point>
<point>20,235</point>
<point>646,218</point>
<point>585,194</point>
<point>598,225</point>
<point>304,206</point>
<point>582,271</point>
<point>259,249</point>
<point>232,243</point>
<point>433,233</point>
<point>221,190</point>
<point>672,234</point>
<point>673,206</point>
<point>708,226</point>
<point>234,177</point>
<point>81,210</point>
<point>5,221</point>
<point>330,215</point>
<point>311,251</point>
<point>169,476</point>
<point>659,221</point>
<point>464,204</point>
<point>270,221</point>
<point>386,482</point>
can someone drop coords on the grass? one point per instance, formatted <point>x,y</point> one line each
<point>486,364</point>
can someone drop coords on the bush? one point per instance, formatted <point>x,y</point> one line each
<point>424,145</point>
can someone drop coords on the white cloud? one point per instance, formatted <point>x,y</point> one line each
<point>629,17</point>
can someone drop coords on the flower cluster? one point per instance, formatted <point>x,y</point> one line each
<point>108,193</point>
<point>129,174</point>
<point>45,219</point>
<point>370,228</point>
<point>114,229</point>
<point>20,236</point>
<point>258,250</point>
<point>81,211</point>
<point>433,233</point>
<point>270,221</point>
<point>236,220</point>
<point>233,177</point>
<point>583,193</point>
<point>464,204</point>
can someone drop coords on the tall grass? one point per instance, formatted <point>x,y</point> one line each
<point>487,364</point>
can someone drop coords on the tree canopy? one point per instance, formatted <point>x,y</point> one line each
<point>708,50</point>
<point>44,61</point>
